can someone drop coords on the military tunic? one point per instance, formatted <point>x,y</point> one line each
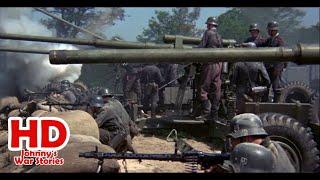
<point>275,69</point>
<point>151,78</point>
<point>131,87</point>
<point>282,161</point>
<point>259,40</point>
<point>209,88</point>
<point>247,75</point>
<point>113,131</point>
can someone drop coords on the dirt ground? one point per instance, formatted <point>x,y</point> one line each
<point>153,144</point>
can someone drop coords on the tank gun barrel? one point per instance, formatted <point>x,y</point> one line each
<point>301,54</point>
<point>95,42</point>
<point>194,40</point>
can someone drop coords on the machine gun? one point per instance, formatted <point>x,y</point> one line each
<point>187,155</point>
<point>206,160</point>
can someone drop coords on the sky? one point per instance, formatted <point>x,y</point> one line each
<point>138,19</point>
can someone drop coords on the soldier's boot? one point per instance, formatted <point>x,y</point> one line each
<point>206,109</point>
<point>277,94</point>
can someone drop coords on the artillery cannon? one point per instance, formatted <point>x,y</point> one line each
<point>285,122</point>
<point>301,54</point>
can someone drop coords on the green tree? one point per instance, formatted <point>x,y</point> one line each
<point>233,25</point>
<point>181,21</point>
<point>310,35</point>
<point>85,17</point>
<point>235,22</point>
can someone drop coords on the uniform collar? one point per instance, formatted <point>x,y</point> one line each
<point>213,29</point>
<point>275,36</point>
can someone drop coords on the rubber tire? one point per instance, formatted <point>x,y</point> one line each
<point>298,87</point>
<point>314,113</point>
<point>289,128</point>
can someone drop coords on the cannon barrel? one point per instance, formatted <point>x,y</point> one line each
<point>95,42</point>
<point>23,50</point>
<point>194,40</point>
<point>301,54</point>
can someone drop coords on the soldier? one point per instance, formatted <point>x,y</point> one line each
<point>67,92</point>
<point>131,85</point>
<point>255,36</point>
<point>248,76</point>
<point>274,69</point>
<point>114,105</point>
<point>150,78</point>
<point>169,73</point>
<point>248,128</point>
<point>112,130</point>
<point>209,88</point>
<point>251,158</point>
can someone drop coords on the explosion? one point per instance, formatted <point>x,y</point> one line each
<point>33,71</point>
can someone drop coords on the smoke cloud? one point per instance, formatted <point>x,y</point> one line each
<point>33,71</point>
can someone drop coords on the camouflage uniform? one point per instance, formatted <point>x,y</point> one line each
<point>240,77</point>
<point>151,78</point>
<point>209,89</point>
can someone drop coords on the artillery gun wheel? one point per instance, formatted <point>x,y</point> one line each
<point>295,139</point>
<point>294,91</point>
<point>315,109</point>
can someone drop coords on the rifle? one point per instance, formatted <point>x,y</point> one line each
<point>170,82</point>
<point>191,157</point>
<point>29,92</point>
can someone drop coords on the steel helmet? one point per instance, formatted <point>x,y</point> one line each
<point>251,158</point>
<point>273,25</point>
<point>246,124</point>
<point>212,20</point>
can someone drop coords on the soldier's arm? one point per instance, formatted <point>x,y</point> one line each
<point>260,42</point>
<point>203,42</point>
<point>263,43</point>
<point>280,42</point>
